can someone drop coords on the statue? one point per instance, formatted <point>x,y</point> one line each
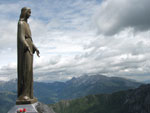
<point>25,49</point>
<point>26,102</point>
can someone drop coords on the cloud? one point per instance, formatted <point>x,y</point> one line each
<point>116,15</point>
<point>50,23</point>
<point>125,54</point>
<point>8,72</point>
<point>58,30</point>
<point>68,44</point>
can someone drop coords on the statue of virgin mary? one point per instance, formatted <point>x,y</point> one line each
<point>25,51</point>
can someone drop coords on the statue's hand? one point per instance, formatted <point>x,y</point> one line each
<point>38,53</point>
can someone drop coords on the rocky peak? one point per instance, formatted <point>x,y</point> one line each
<point>138,100</point>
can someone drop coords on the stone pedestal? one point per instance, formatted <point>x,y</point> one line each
<point>30,101</point>
<point>32,108</point>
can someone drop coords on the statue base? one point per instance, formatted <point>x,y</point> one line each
<point>30,101</point>
<point>32,108</point>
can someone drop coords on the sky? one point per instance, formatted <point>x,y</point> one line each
<point>77,37</point>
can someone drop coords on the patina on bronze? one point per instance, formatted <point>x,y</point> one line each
<point>25,51</point>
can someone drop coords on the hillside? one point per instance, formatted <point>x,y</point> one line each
<point>49,93</point>
<point>7,100</point>
<point>74,88</point>
<point>130,101</point>
<point>95,84</point>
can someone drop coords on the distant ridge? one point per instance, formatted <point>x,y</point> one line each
<point>49,93</point>
<point>74,88</point>
<point>129,101</point>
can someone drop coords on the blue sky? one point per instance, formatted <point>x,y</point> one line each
<point>76,37</point>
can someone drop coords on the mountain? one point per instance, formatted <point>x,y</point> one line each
<point>95,84</point>
<point>146,81</point>
<point>7,100</point>
<point>10,86</point>
<point>76,87</point>
<point>129,101</point>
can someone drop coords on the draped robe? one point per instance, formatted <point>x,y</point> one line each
<point>25,60</point>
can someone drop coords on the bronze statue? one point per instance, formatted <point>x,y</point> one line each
<point>25,49</point>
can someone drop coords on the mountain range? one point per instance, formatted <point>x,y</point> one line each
<point>50,93</point>
<point>74,88</point>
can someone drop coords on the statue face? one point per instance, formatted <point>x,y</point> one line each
<point>28,14</point>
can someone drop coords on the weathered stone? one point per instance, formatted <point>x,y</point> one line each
<point>32,108</point>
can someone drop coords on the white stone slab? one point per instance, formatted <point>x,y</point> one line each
<point>30,108</point>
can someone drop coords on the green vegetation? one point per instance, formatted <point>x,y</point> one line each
<point>103,103</point>
<point>130,101</point>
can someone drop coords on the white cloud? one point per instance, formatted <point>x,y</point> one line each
<point>68,44</point>
<point>116,15</point>
<point>124,54</point>
<point>57,29</point>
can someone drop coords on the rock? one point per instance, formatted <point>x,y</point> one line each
<point>43,108</point>
<point>32,108</point>
<point>138,100</point>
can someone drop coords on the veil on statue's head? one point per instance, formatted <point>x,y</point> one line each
<point>23,13</point>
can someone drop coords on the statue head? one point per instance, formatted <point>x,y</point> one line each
<point>25,13</point>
